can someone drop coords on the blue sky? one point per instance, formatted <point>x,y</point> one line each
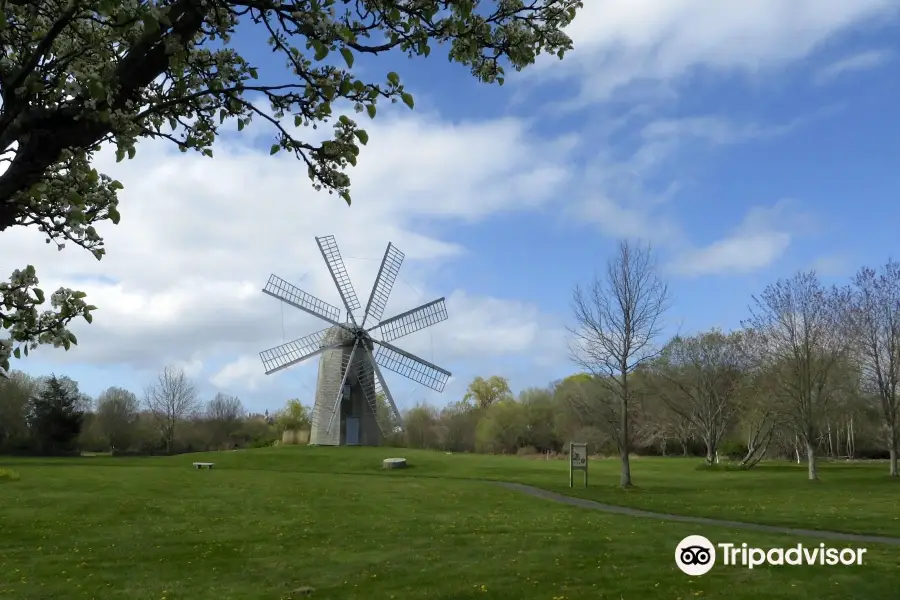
<point>743,146</point>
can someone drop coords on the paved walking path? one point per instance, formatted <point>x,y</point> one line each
<point>635,512</point>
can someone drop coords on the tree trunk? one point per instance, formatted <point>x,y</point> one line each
<point>838,433</point>
<point>811,461</point>
<point>893,448</point>
<point>624,446</point>
<point>710,452</point>
<point>851,440</point>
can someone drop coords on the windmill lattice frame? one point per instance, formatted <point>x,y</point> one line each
<point>374,353</point>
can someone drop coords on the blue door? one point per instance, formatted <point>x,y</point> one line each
<point>352,431</point>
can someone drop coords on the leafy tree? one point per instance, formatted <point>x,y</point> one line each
<point>584,406</point>
<point>15,395</point>
<point>421,423</point>
<point>540,411</point>
<point>485,392</point>
<point>116,418</point>
<point>460,420</point>
<point>77,75</point>
<point>503,428</point>
<point>387,420</point>
<point>54,418</point>
<point>294,416</point>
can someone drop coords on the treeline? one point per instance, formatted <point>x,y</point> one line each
<point>666,422</point>
<point>50,416</point>
<point>813,371</point>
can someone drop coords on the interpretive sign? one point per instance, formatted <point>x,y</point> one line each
<point>578,461</point>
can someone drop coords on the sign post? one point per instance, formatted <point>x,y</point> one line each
<point>578,461</point>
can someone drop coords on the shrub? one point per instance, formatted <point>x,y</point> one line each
<point>8,475</point>
<point>263,443</point>
<point>733,449</point>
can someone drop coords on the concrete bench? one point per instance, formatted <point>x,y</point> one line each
<point>203,465</point>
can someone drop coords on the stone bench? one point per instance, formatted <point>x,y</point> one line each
<point>203,465</point>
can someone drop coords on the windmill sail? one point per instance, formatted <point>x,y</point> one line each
<point>291,353</point>
<point>412,320</point>
<point>373,385</point>
<point>384,283</point>
<point>411,366</point>
<point>291,294</point>
<point>332,256</point>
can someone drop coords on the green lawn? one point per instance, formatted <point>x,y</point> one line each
<point>267,522</point>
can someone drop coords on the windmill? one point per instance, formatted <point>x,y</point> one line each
<point>350,385</point>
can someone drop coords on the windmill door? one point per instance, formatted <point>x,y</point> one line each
<point>352,431</point>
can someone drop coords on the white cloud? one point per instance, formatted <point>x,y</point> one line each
<point>244,372</point>
<point>620,44</point>
<point>191,367</point>
<point>736,254</point>
<point>763,237</point>
<point>198,239</point>
<point>863,61</point>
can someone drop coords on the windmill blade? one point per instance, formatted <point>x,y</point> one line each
<point>332,256</point>
<point>413,320</point>
<point>346,362</point>
<point>291,353</point>
<point>411,366</point>
<point>373,384</point>
<point>291,294</point>
<point>384,283</point>
<point>323,412</point>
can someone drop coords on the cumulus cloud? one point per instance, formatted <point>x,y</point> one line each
<point>199,237</point>
<point>763,236</point>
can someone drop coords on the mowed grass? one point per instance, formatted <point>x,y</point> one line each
<point>849,497</point>
<point>268,523</point>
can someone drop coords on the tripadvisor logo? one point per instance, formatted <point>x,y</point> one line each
<point>695,555</point>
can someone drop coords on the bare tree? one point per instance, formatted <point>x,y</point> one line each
<point>701,379</point>
<point>804,333</point>
<point>759,421</point>
<point>661,426</point>
<point>224,408</point>
<point>170,399</point>
<point>618,318</point>
<point>876,317</point>
<point>117,414</point>
<point>223,414</point>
